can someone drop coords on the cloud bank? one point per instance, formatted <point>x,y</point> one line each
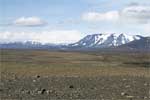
<point>130,14</point>
<point>29,21</point>
<point>95,16</point>
<point>55,36</point>
<point>139,14</point>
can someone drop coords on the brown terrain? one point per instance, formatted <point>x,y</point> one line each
<point>60,75</point>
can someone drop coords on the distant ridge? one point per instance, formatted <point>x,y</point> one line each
<point>90,42</point>
<point>28,45</point>
<point>143,43</point>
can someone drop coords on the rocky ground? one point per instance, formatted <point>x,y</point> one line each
<point>57,75</point>
<point>13,87</point>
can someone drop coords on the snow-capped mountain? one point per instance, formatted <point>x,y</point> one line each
<point>90,41</point>
<point>105,40</point>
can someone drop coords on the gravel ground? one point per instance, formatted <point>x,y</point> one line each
<point>13,87</point>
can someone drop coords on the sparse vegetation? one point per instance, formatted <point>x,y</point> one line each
<point>41,74</point>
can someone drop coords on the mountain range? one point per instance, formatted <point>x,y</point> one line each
<point>105,40</point>
<point>94,41</point>
<point>143,43</point>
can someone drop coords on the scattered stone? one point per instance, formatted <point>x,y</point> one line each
<point>127,86</point>
<point>51,91</point>
<point>23,92</point>
<point>48,92</point>
<point>97,88</point>
<point>145,84</point>
<point>71,86</point>
<point>1,90</point>
<point>34,80</point>
<point>43,91</point>
<point>9,95</point>
<point>38,76</point>
<point>36,90</point>
<point>39,92</point>
<point>93,88</point>
<point>124,79</point>
<point>124,94</point>
<point>28,92</point>
<point>145,97</point>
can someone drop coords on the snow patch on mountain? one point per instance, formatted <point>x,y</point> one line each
<point>105,40</point>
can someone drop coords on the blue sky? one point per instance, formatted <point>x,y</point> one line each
<point>52,19</point>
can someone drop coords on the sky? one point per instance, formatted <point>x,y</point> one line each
<point>67,21</point>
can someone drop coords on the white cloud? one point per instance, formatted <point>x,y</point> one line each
<point>95,16</point>
<point>61,36</point>
<point>136,13</point>
<point>29,21</point>
<point>131,14</point>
